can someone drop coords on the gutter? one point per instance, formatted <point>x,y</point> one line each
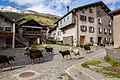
<point>77,30</point>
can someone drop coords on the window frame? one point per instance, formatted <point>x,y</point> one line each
<point>90,10</point>
<point>99,21</point>
<point>83,18</point>
<point>91,29</point>
<point>83,28</point>
<point>89,19</point>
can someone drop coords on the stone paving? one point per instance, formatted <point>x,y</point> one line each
<point>49,68</point>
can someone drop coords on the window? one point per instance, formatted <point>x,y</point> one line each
<point>110,39</point>
<point>105,40</point>
<point>110,32</point>
<point>8,29</point>
<point>58,33</point>
<point>1,29</point>
<point>82,18</point>
<point>90,11</point>
<point>67,17</point>
<point>60,22</point>
<point>91,39</point>
<point>105,30</point>
<point>64,19</point>
<point>91,19</point>
<point>99,13</point>
<point>63,31</point>
<point>100,30</point>
<point>99,21</point>
<point>83,28</point>
<point>91,29</point>
<point>109,23</point>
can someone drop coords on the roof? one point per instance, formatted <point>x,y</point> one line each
<point>86,6</point>
<point>30,23</point>
<point>1,14</point>
<point>115,12</point>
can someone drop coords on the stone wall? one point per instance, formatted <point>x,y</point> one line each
<point>114,54</point>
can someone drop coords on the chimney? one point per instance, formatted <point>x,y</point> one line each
<point>67,9</point>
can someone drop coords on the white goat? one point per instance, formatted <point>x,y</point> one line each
<point>74,52</point>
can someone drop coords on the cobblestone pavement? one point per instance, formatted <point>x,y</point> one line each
<point>49,68</point>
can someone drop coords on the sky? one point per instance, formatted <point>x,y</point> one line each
<point>55,7</point>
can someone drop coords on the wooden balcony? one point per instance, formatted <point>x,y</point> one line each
<point>6,34</point>
<point>31,33</point>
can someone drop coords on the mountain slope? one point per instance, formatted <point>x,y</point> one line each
<point>44,19</point>
<point>17,14</point>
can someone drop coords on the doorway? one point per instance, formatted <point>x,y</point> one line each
<point>82,40</point>
<point>8,42</point>
<point>99,39</point>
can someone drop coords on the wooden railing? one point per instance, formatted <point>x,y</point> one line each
<point>6,34</point>
<point>31,32</point>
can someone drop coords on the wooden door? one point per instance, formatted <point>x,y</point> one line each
<point>82,40</point>
<point>8,42</point>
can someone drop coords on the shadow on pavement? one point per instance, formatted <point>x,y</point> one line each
<point>13,68</point>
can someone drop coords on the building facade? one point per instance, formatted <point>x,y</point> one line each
<point>30,32</point>
<point>86,24</point>
<point>116,26</point>
<point>7,27</point>
<point>21,33</point>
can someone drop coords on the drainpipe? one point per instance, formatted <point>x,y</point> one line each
<point>13,41</point>
<point>76,30</point>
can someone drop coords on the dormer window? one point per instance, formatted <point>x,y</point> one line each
<point>90,11</point>
<point>82,18</point>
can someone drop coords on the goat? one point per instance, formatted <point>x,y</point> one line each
<point>34,53</point>
<point>49,49</point>
<point>5,59</point>
<point>66,52</point>
<point>74,52</point>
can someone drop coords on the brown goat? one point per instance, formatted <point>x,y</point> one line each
<point>34,53</point>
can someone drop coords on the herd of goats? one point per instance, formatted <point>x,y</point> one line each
<point>35,53</point>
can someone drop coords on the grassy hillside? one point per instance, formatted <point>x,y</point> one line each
<point>49,20</point>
